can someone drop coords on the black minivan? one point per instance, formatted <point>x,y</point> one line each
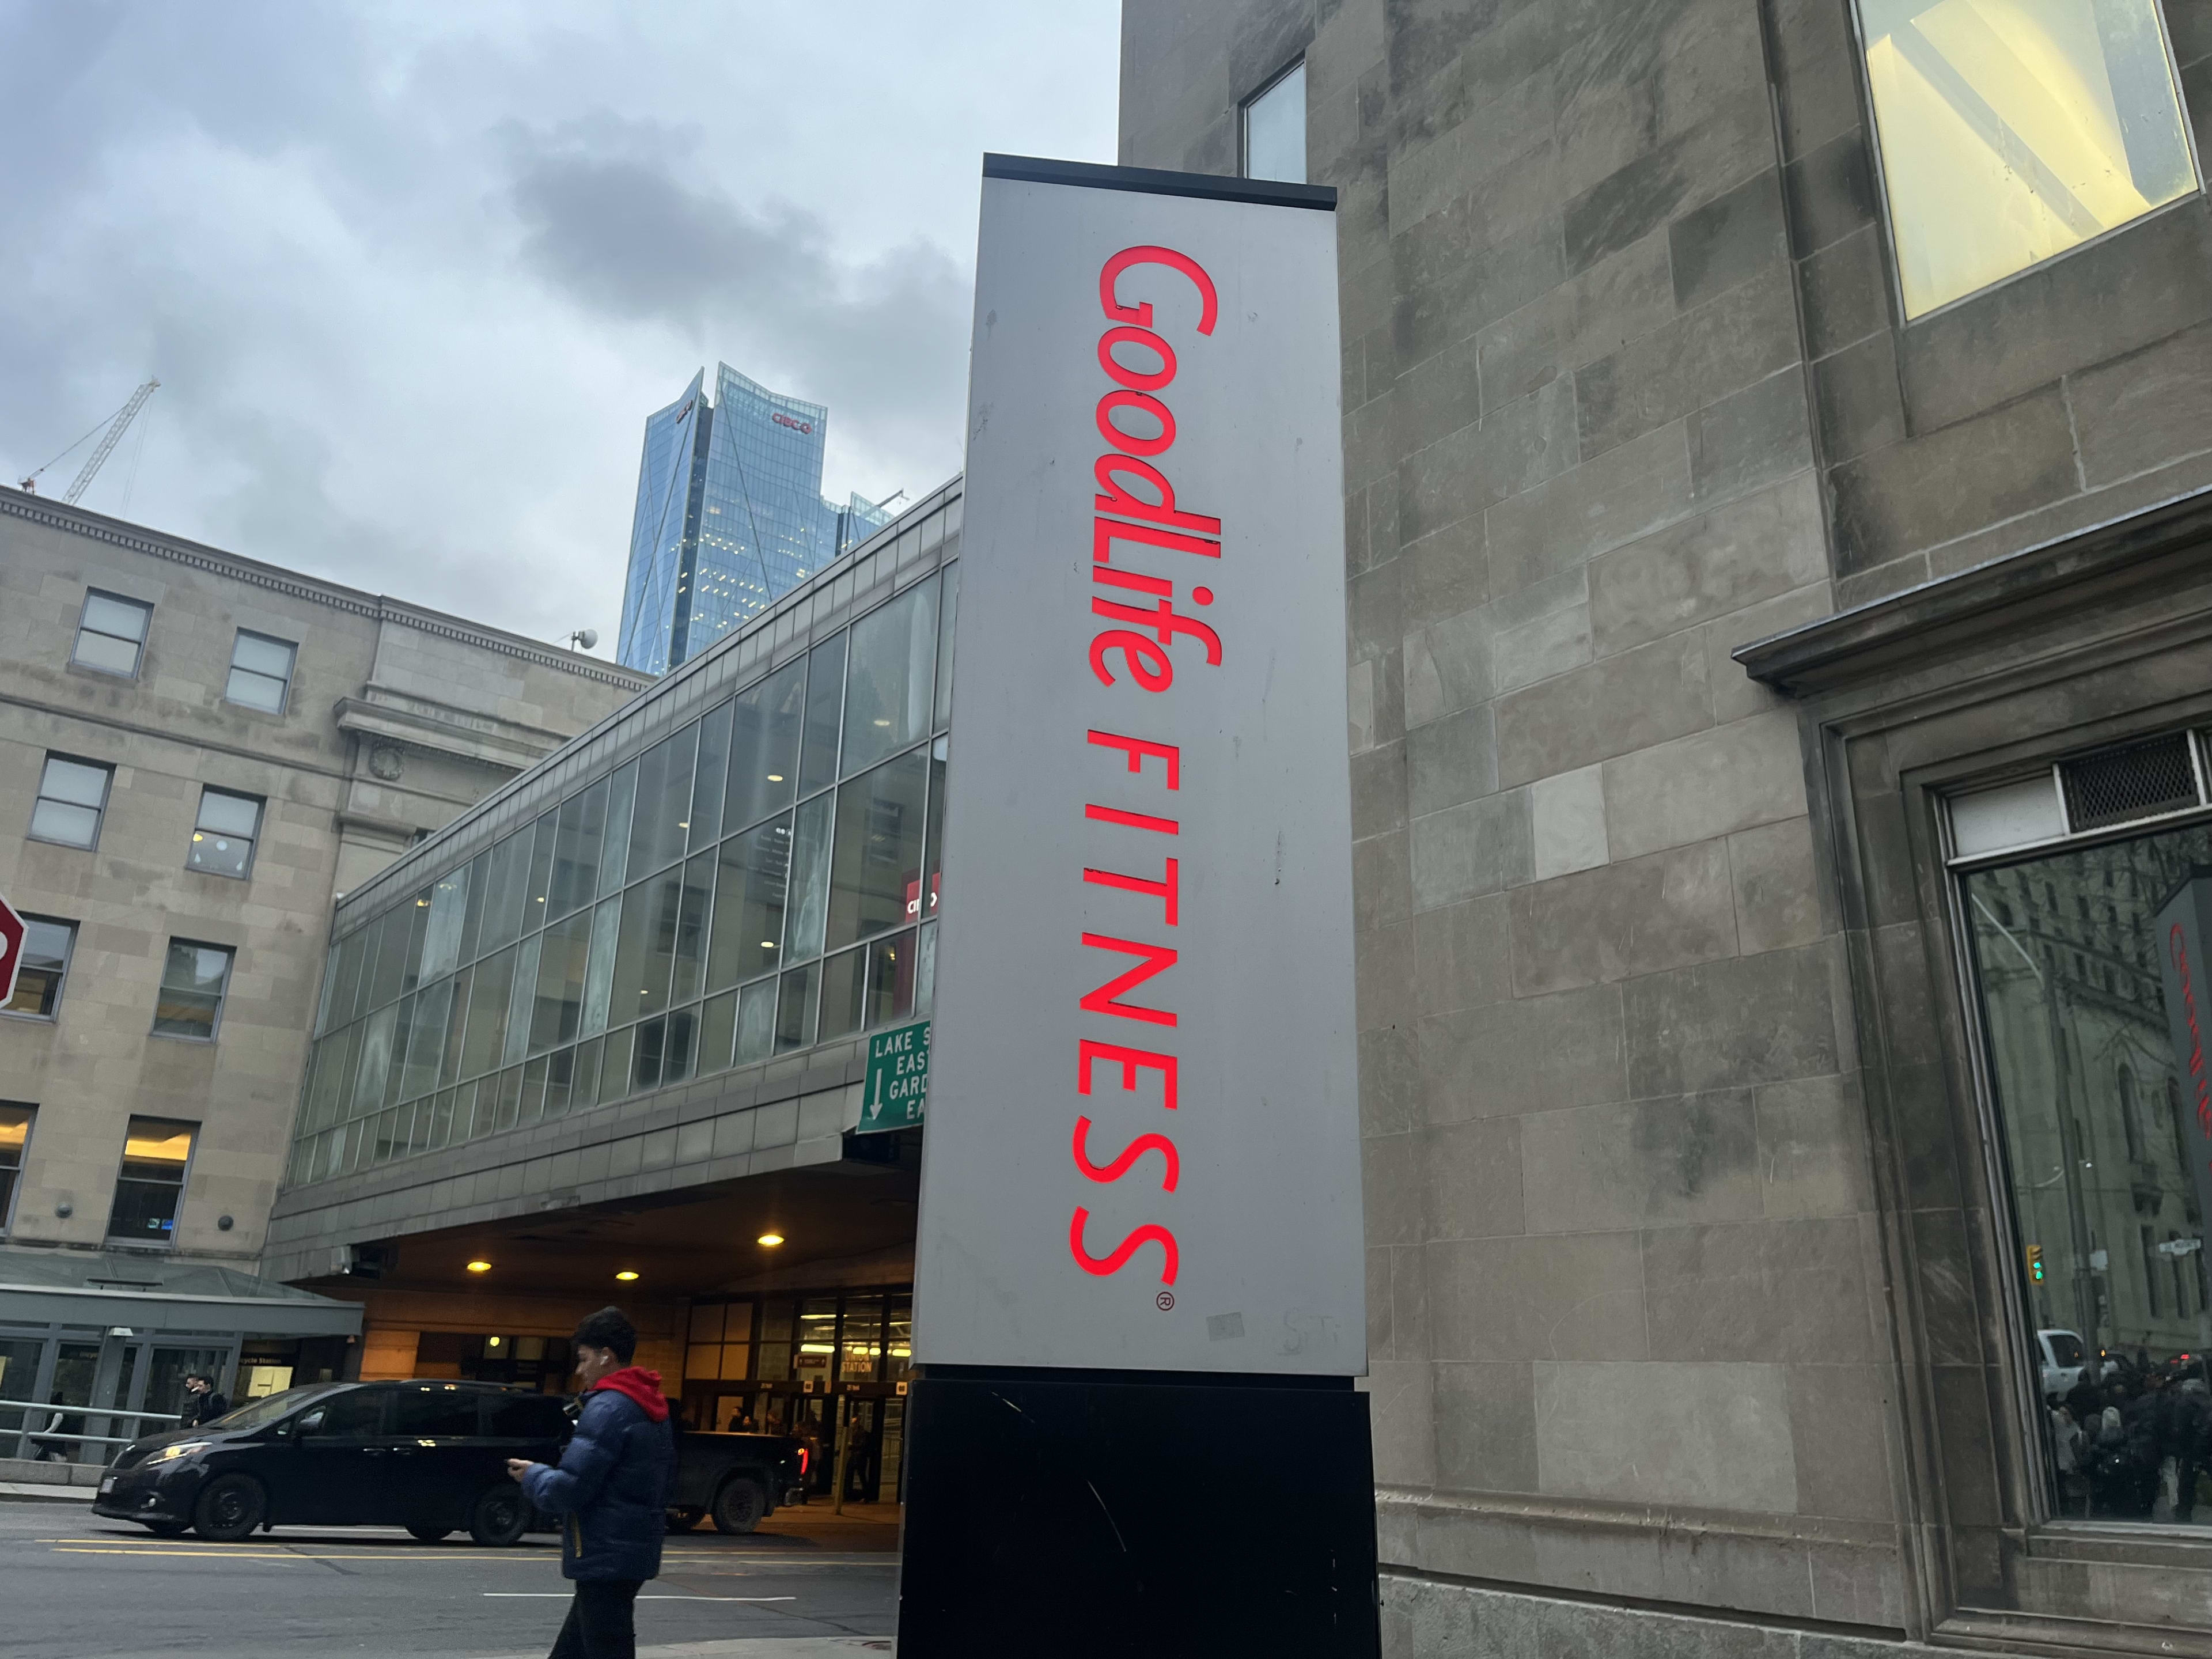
<point>430,1456</point>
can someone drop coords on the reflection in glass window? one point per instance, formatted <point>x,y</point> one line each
<point>111,633</point>
<point>425,1036</point>
<point>599,972</point>
<point>260,672</point>
<point>807,903</point>
<point>507,881</point>
<point>764,747</point>
<point>614,850</point>
<point>539,889</point>
<point>520,998</point>
<point>151,1182</point>
<point>875,878</point>
<point>644,952</point>
<point>487,1004</point>
<point>2069,975</point>
<point>1275,130</point>
<point>794,1009</point>
<point>583,821</point>
<point>757,1022</point>
<point>222,839</point>
<point>948,610</point>
<point>718,1023</point>
<point>194,978</point>
<point>712,779</point>
<point>825,701</point>
<point>749,893</point>
<point>691,928</point>
<point>46,946</point>
<point>2012,130</point>
<point>72,796</point>
<point>442,935</point>
<point>661,816</point>
<point>889,683</point>
<point>558,1008</point>
<point>870,986</point>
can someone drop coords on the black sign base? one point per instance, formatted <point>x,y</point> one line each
<point>1129,1513</point>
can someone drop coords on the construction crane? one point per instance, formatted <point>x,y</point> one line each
<point>116,428</point>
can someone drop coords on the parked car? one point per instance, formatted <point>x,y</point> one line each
<point>737,1479</point>
<point>2064,1361</point>
<point>430,1456</point>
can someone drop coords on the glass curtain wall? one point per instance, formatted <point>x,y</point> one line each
<point>761,880</point>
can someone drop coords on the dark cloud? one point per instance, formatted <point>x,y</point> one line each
<point>412,277</point>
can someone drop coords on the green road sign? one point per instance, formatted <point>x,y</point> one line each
<point>899,1078</point>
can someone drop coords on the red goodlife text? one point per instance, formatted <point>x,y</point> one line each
<point>1146,630</point>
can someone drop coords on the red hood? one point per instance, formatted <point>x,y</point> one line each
<point>641,1385</point>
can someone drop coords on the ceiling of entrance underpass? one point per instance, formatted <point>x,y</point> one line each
<point>697,1241</point>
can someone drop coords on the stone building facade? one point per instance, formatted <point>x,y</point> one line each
<point>1744,604</point>
<point>200,752</point>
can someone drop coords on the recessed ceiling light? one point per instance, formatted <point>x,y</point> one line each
<point>627,1274</point>
<point>479,1267</point>
<point>770,1239</point>
<point>775,777</point>
<point>768,944</point>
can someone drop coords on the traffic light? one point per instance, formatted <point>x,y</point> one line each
<point>2035,1263</point>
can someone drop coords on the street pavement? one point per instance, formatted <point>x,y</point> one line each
<point>807,1585</point>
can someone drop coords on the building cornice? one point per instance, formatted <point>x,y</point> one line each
<point>1958,611</point>
<point>137,538</point>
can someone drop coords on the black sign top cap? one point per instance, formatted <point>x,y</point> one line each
<point>1152,181</point>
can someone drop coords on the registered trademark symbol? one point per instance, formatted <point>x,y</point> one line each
<point>1164,1300</point>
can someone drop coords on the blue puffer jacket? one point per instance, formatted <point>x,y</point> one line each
<point>612,1487</point>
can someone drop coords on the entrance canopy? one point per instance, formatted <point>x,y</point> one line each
<point>152,1294</point>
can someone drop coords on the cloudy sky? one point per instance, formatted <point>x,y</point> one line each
<point>412,276</point>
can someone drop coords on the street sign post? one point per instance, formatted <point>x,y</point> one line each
<point>11,950</point>
<point>898,1080</point>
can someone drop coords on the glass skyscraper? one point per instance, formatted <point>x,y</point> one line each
<point>730,515</point>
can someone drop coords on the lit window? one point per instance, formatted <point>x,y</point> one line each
<point>1275,129</point>
<point>111,633</point>
<point>222,839</point>
<point>2013,129</point>
<point>15,1135</point>
<point>72,796</point>
<point>151,1183</point>
<point>260,672</point>
<point>46,945</point>
<point>194,979</point>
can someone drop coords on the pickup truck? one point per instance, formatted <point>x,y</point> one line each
<point>738,1479</point>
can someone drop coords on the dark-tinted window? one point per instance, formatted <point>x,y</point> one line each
<point>525,1417</point>
<point>437,1408</point>
<point>15,1134</point>
<point>354,1415</point>
<point>47,945</point>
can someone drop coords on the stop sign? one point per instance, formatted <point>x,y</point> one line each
<point>11,950</point>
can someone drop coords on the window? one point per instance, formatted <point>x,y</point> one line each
<point>111,633</point>
<point>222,839</point>
<point>1275,129</point>
<point>357,1414</point>
<point>151,1184</point>
<point>2108,1215</point>
<point>72,799</point>
<point>434,1409</point>
<point>46,946</point>
<point>260,672</point>
<point>193,981</point>
<point>15,1135</point>
<point>2011,132</point>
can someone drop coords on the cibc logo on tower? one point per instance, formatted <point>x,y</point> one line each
<point>782,419</point>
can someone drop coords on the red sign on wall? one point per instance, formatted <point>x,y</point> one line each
<point>11,950</point>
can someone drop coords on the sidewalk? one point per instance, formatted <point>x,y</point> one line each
<point>44,1491</point>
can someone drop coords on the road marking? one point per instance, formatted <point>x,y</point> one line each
<point>290,1555</point>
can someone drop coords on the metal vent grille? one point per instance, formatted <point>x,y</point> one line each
<point>2138,781</point>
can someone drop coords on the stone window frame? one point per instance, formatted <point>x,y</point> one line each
<point>1878,170</point>
<point>2006,668</point>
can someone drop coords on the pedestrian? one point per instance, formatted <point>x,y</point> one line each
<point>202,1403</point>
<point>611,1490</point>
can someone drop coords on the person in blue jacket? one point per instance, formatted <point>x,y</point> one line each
<point>611,1489</point>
